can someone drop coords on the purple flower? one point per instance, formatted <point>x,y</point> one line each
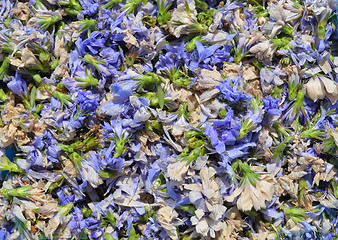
<point>18,85</point>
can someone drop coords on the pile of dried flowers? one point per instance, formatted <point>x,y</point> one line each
<point>187,119</point>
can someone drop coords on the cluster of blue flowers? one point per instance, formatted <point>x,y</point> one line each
<point>186,119</point>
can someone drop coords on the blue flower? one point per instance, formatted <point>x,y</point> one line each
<point>18,85</point>
<point>93,44</point>
<point>35,157</point>
<point>76,222</point>
<point>112,58</point>
<point>221,56</point>
<point>88,102</point>
<point>236,151</point>
<point>76,120</point>
<point>271,105</point>
<point>120,102</point>
<point>53,152</point>
<point>273,213</point>
<point>90,8</point>
<point>64,199</point>
<point>231,91</point>
<point>200,57</point>
<point>223,132</point>
<point>178,51</point>
<point>167,62</point>
<point>4,234</point>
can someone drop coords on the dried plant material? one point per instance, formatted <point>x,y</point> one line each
<point>166,216</point>
<point>254,196</point>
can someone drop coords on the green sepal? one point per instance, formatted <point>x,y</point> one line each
<point>48,21</point>
<point>296,214</point>
<point>7,165</point>
<point>160,95</point>
<point>62,97</point>
<point>16,192</point>
<point>3,96</point>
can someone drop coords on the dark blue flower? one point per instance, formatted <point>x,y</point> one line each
<point>231,91</point>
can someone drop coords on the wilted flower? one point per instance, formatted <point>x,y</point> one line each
<point>166,216</point>
<point>207,199</point>
<point>319,87</point>
<point>254,196</point>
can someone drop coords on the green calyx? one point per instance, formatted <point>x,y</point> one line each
<point>90,81</point>
<point>62,97</point>
<point>22,192</point>
<point>244,171</point>
<point>131,5</point>
<point>247,126</point>
<point>93,61</point>
<point>73,7</point>
<point>152,80</point>
<point>7,165</point>
<point>296,214</point>
<point>163,16</point>
<point>48,21</point>
<point>120,147</point>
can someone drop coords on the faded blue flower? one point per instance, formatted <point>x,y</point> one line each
<point>18,85</point>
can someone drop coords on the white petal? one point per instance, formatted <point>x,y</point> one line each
<point>202,227</point>
<point>199,213</point>
<point>194,196</point>
<point>330,85</point>
<point>315,89</point>
<point>234,194</point>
